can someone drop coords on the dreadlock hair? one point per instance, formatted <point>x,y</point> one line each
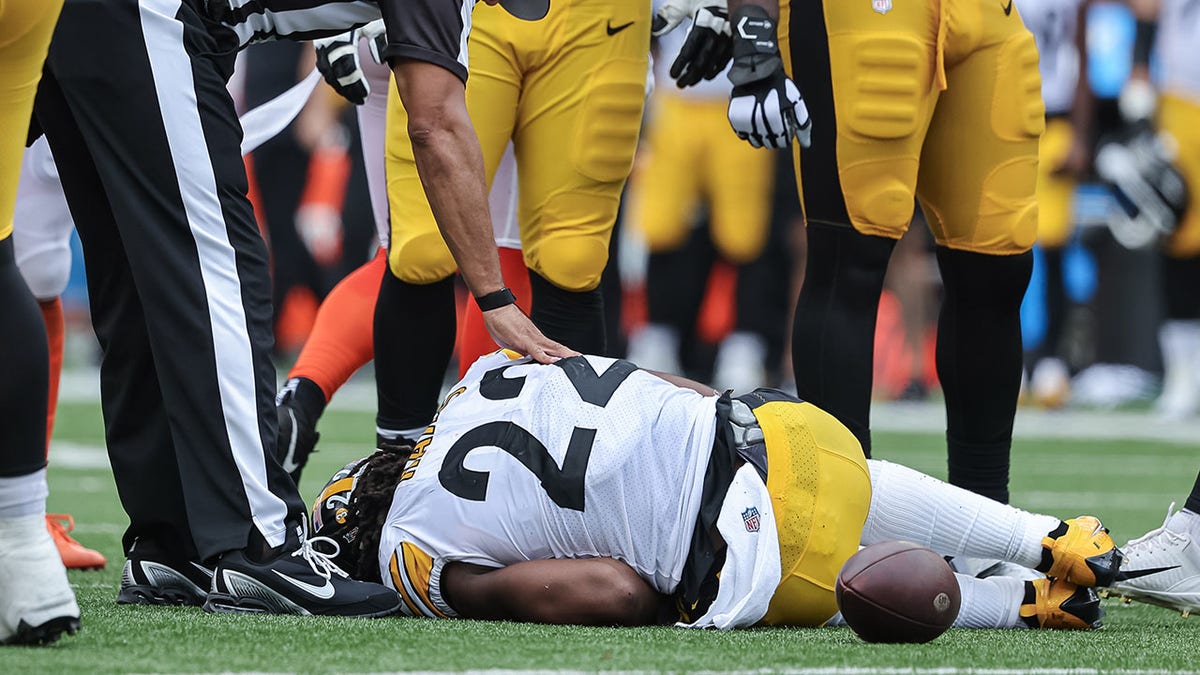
<point>371,501</point>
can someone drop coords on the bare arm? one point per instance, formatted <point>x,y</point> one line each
<point>1083,107</point>
<point>591,591</point>
<point>680,381</point>
<point>450,165</point>
<point>1146,10</point>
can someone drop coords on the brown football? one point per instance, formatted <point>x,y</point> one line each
<point>897,591</point>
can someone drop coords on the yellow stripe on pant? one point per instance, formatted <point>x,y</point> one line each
<point>25,30</point>
<point>569,91</point>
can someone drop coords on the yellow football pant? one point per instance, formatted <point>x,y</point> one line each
<point>690,157</point>
<point>939,100</point>
<point>25,30</point>
<point>1180,118</point>
<point>820,492</point>
<point>569,91</point>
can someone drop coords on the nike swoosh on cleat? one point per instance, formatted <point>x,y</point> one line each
<point>1007,8</point>
<point>1135,574</point>
<point>324,592</point>
<point>289,462</point>
<point>613,30</point>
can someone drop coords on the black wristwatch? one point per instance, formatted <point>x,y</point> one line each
<point>495,300</point>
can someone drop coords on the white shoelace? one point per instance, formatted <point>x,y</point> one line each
<point>1157,539</point>
<point>321,563</point>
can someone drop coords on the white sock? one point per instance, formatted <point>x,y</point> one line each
<point>24,495</point>
<point>911,506</point>
<point>408,435</point>
<point>994,602</point>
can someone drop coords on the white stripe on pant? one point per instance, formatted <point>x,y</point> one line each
<point>218,265</point>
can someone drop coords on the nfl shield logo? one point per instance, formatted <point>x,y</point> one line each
<point>750,517</point>
<point>881,6</point>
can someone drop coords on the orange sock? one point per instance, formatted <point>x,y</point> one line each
<point>52,315</point>
<point>342,339</point>
<point>473,340</point>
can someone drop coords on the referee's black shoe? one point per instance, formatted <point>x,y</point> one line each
<point>153,576</point>
<point>298,579</point>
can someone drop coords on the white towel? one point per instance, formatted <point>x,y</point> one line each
<point>752,569</point>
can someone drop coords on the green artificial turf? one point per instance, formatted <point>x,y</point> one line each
<point>1128,484</point>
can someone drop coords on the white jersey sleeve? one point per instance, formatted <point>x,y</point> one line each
<point>1053,24</point>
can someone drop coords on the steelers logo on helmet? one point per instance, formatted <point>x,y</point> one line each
<point>331,515</point>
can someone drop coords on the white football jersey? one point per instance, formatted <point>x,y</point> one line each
<point>1053,24</point>
<point>1178,35</point>
<point>590,457</point>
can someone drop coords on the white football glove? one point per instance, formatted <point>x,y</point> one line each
<point>673,12</point>
<point>765,106</point>
<point>337,59</point>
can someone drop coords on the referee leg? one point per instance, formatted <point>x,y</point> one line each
<point>135,422</point>
<point>166,152</point>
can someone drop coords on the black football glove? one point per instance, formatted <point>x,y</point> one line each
<point>337,59</point>
<point>707,49</point>
<point>765,106</point>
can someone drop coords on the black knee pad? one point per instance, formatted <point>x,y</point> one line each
<point>575,319</point>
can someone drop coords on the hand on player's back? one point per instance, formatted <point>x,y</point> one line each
<point>511,329</point>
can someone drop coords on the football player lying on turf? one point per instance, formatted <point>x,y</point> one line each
<point>592,492</point>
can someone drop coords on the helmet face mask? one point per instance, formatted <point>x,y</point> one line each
<point>332,517</point>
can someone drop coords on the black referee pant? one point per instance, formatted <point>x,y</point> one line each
<point>145,137</point>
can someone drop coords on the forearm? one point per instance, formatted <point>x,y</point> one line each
<point>590,592</point>
<point>1145,10</point>
<point>451,169</point>
<point>450,165</point>
<point>1084,103</point>
<point>685,383</point>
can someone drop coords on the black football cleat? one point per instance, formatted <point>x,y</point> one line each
<point>152,576</point>
<point>298,580</point>
<point>45,633</point>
